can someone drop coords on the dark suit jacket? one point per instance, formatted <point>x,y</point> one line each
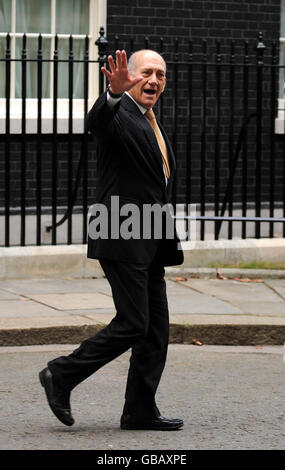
<point>129,165</point>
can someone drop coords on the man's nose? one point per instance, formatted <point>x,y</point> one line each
<point>153,79</point>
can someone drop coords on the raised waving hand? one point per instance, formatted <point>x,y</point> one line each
<point>119,77</point>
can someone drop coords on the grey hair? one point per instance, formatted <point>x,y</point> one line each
<point>133,58</point>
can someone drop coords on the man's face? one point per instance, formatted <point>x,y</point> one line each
<point>151,67</point>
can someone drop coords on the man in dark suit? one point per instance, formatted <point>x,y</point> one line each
<point>135,164</point>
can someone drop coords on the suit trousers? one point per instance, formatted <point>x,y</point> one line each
<point>141,323</point>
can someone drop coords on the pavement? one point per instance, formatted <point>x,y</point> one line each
<point>232,307</point>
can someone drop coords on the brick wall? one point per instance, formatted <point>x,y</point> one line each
<point>230,19</point>
<point>211,20</point>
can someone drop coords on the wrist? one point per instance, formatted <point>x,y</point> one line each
<point>112,93</point>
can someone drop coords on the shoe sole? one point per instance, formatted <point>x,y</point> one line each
<point>45,383</point>
<point>135,427</point>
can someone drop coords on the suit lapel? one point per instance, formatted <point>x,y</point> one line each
<point>143,123</point>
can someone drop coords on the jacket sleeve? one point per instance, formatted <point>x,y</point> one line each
<point>102,120</point>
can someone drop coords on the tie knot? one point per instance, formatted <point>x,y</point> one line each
<point>150,115</point>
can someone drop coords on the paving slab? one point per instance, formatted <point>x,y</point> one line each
<point>205,319</point>
<point>256,298</point>
<point>23,308</point>
<point>233,291</point>
<point>106,313</point>
<point>55,286</point>
<point>4,295</point>
<point>180,300</point>
<point>28,323</point>
<point>278,285</point>
<point>74,301</point>
<point>262,308</point>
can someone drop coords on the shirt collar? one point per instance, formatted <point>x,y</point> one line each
<point>141,108</point>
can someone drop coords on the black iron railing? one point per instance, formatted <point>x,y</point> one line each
<point>219,110</point>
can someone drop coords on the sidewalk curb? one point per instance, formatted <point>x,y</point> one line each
<point>70,261</point>
<point>212,334</point>
<point>230,273</point>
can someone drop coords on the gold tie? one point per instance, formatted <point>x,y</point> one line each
<point>151,117</point>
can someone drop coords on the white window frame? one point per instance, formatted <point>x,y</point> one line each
<point>280,120</point>
<point>97,18</point>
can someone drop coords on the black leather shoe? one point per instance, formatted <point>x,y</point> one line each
<point>157,424</point>
<point>58,399</point>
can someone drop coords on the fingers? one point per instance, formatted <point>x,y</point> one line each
<point>121,61</point>
<point>111,63</point>
<point>106,72</point>
<point>118,60</point>
<point>124,61</point>
<point>118,75</point>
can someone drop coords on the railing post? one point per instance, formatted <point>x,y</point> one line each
<point>260,48</point>
<point>7,140</point>
<point>273,106</point>
<point>189,129</point>
<point>84,151</point>
<point>161,47</point>
<point>217,135</point>
<point>70,139</point>
<point>23,141</point>
<point>175,114</point>
<point>39,140</point>
<point>103,45</point>
<point>54,142</point>
<point>231,135</point>
<point>245,145</point>
<point>203,137</point>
